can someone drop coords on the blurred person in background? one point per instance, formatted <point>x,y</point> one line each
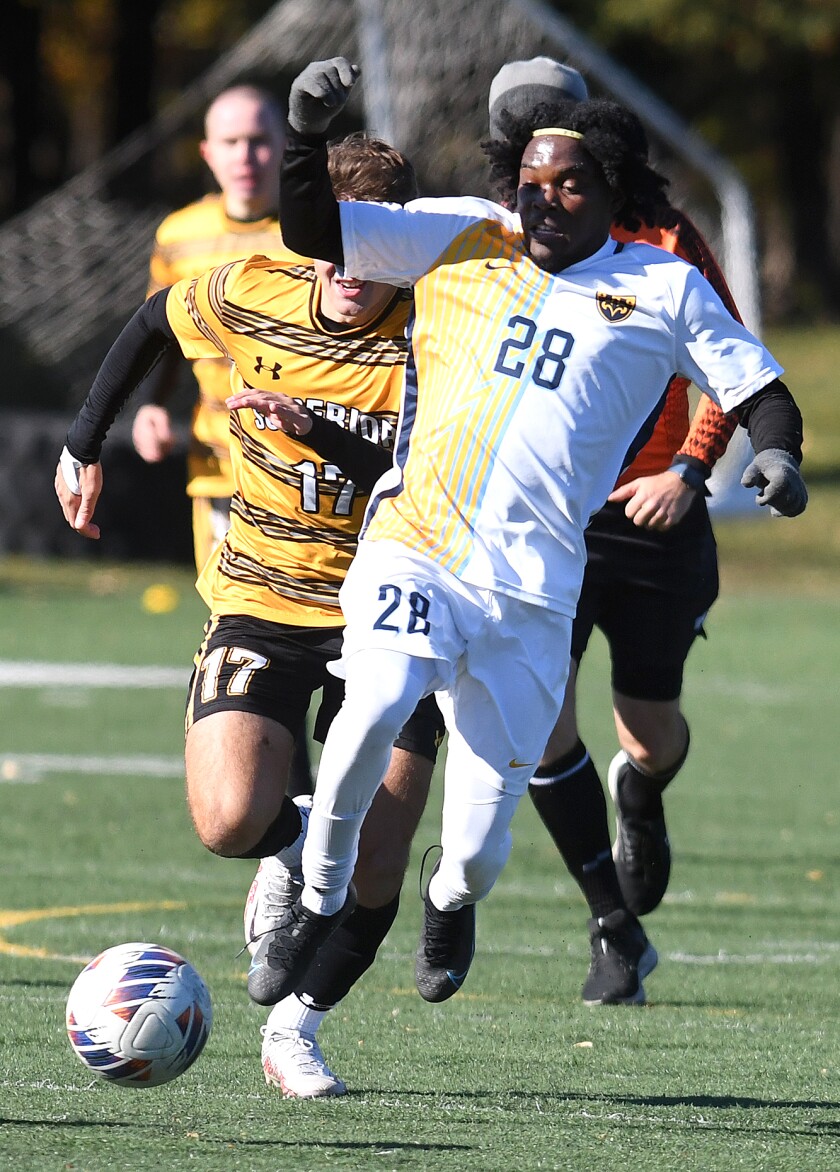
<point>244,136</point>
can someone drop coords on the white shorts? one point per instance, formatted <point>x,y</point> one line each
<point>501,663</point>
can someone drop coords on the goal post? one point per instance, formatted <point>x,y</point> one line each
<point>74,265</point>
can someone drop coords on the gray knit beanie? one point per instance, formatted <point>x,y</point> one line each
<point>519,86</point>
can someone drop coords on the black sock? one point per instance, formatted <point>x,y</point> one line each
<point>569,798</point>
<point>641,793</point>
<point>282,832</point>
<point>346,954</point>
<point>300,770</point>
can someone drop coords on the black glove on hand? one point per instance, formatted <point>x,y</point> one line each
<point>319,93</point>
<point>777,474</point>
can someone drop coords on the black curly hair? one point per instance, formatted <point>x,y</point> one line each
<point>612,135</point>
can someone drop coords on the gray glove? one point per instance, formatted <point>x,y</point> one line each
<point>777,474</point>
<point>319,93</point>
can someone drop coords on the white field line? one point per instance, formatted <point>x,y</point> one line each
<point>815,955</point>
<point>29,674</point>
<point>20,768</point>
<point>787,952</point>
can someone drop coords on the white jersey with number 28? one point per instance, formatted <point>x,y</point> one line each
<point>525,389</point>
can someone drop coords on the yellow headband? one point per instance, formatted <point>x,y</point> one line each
<point>556,130</point>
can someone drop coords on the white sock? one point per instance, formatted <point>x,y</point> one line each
<point>290,856</point>
<point>441,896</point>
<point>323,903</point>
<point>292,1014</point>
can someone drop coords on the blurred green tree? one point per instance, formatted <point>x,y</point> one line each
<point>760,80</point>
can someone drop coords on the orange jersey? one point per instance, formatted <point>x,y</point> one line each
<point>188,242</point>
<point>710,429</point>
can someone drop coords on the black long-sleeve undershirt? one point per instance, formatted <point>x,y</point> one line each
<point>142,343</point>
<point>773,420</point>
<point>147,339</point>
<point>161,383</point>
<point>309,211</point>
<point>359,459</point>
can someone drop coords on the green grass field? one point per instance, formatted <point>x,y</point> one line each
<point>733,1064</point>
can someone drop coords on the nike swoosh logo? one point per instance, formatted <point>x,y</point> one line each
<point>457,979</point>
<point>498,264</point>
<point>514,764</point>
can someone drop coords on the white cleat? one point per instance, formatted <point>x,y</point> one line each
<point>293,1062</point>
<point>275,888</point>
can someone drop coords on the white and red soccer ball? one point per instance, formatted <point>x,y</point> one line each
<point>138,1015</point>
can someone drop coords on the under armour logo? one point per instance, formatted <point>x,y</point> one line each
<point>275,369</point>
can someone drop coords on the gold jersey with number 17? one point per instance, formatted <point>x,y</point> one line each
<point>294,517</point>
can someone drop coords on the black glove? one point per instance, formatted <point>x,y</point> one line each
<point>319,93</point>
<point>777,474</point>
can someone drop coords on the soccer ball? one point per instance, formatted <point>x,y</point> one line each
<point>138,1015</point>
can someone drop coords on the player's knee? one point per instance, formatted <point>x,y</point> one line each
<point>225,829</point>
<point>470,880</point>
<point>382,691</point>
<point>663,750</point>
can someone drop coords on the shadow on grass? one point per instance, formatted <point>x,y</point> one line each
<point>719,1102</point>
<point>27,982</point>
<point>374,1148</point>
<point>62,1123</point>
<point>380,1147</point>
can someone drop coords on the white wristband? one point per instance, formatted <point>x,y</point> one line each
<point>70,467</point>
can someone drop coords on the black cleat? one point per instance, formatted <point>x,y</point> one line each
<point>622,956</point>
<point>445,952</point>
<point>641,851</point>
<point>284,953</point>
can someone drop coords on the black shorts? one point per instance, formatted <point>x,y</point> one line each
<point>246,664</point>
<point>649,593</point>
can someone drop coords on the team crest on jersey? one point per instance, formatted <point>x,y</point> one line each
<point>615,307</point>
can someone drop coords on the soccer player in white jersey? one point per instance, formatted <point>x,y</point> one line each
<point>539,351</point>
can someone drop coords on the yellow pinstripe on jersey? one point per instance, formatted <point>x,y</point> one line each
<point>188,243</point>
<point>294,519</point>
<point>460,310</point>
<point>523,396</point>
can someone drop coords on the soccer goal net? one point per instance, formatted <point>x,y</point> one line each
<point>74,265</point>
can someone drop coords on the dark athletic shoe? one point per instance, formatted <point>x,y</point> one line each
<point>285,953</point>
<point>622,956</point>
<point>641,850</point>
<point>445,952</point>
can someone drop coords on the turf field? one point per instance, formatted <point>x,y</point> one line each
<point>733,1064</point>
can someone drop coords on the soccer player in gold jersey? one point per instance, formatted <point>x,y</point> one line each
<point>244,136</point>
<point>338,347</point>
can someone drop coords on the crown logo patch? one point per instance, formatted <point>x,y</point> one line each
<point>614,307</point>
